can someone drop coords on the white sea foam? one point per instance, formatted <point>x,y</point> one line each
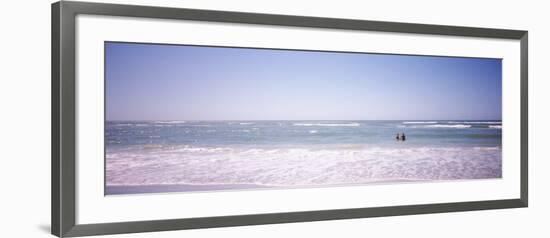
<point>246,123</point>
<point>449,126</point>
<point>170,122</point>
<point>327,124</point>
<point>313,131</point>
<point>419,122</point>
<point>496,126</point>
<point>298,166</point>
<point>474,122</point>
<point>123,124</point>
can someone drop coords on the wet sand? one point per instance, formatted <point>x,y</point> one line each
<point>145,189</point>
<point>141,189</point>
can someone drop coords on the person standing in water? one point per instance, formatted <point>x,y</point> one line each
<point>397,137</point>
<point>403,138</point>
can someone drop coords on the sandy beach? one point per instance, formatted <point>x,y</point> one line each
<point>141,189</point>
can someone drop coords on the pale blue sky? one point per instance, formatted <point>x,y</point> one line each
<point>175,82</point>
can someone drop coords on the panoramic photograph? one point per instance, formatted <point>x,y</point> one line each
<point>185,118</point>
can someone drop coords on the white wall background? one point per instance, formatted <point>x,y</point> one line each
<point>25,119</point>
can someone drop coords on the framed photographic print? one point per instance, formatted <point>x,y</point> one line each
<point>167,118</point>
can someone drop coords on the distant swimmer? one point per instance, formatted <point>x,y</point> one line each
<point>400,136</point>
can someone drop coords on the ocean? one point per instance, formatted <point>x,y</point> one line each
<point>185,156</point>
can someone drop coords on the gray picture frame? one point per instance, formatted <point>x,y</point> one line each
<point>63,135</point>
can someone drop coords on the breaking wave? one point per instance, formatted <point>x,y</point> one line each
<point>449,126</point>
<point>419,122</point>
<point>327,124</point>
<point>474,122</point>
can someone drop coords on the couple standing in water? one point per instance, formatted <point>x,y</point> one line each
<point>400,137</point>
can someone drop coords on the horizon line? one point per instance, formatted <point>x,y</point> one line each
<point>310,120</point>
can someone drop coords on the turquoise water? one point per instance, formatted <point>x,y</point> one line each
<point>302,133</point>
